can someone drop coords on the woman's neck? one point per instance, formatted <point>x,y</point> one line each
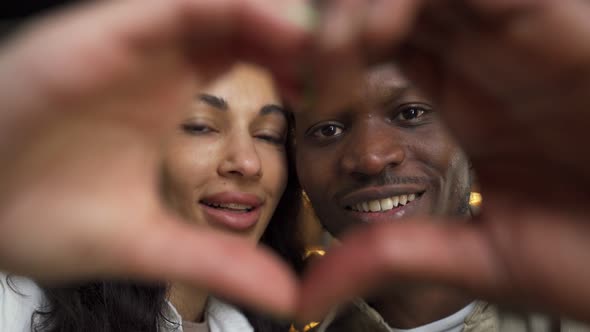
<point>189,301</point>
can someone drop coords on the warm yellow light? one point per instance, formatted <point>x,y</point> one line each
<point>475,199</point>
<point>310,326</point>
<point>313,252</point>
<point>306,328</point>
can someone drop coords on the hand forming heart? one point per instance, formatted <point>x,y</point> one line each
<point>510,77</point>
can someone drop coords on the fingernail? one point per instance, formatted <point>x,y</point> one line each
<point>302,15</point>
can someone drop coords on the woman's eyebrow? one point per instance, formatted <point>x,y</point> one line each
<point>214,101</point>
<point>272,108</point>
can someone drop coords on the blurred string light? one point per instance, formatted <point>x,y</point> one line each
<point>306,328</point>
<point>475,199</point>
<point>314,251</point>
<point>310,252</point>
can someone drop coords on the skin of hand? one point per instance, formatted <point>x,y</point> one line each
<point>511,79</point>
<point>87,95</point>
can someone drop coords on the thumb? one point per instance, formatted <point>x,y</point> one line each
<point>455,255</point>
<point>226,265</point>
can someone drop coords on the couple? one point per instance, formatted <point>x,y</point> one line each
<point>230,165</point>
<point>483,97</point>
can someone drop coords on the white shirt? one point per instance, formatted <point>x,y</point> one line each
<point>452,323</point>
<point>17,309</point>
<point>20,297</point>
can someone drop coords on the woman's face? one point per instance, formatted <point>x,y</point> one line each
<point>226,165</point>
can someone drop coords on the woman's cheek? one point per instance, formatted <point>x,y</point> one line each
<point>274,164</point>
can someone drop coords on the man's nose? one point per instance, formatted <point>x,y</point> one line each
<point>372,149</point>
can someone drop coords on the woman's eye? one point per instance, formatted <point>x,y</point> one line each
<point>327,131</point>
<point>272,139</point>
<point>193,128</point>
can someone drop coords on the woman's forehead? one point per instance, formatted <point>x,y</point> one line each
<point>245,87</point>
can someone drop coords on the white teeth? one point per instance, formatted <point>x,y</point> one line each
<point>403,199</point>
<point>232,206</point>
<point>375,206</point>
<point>384,204</point>
<point>236,206</point>
<point>366,207</point>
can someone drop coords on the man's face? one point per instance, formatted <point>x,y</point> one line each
<point>386,157</point>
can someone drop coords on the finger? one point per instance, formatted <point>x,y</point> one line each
<point>336,55</point>
<point>108,33</point>
<point>340,25</point>
<point>280,25</point>
<point>454,255</point>
<point>389,23</point>
<point>225,265</point>
<point>495,8</point>
<point>252,30</point>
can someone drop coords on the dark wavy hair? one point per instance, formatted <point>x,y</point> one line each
<point>130,306</point>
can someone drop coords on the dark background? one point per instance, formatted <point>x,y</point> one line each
<point>14,12</point>
<point>18,10</point>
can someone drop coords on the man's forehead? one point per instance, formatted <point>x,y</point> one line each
<point>384,82</point>
<point>379,84</point>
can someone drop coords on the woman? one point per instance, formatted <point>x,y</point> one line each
<point>225,167</point>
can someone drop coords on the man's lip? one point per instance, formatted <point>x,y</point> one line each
<point>397,213</point>
<point>235,197</point>
<point>374,193</point>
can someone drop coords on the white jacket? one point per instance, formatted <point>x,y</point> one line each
<point>20,297</point>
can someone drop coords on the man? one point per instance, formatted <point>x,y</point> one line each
<point>492,44</point>
<point>510,78</point>
<point>385,159</point>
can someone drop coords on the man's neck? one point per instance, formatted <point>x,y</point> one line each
<point>416,306</point>
<point>188,301</point>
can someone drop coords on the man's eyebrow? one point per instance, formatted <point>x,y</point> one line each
<point>393,92</point>
<point>213,101</point>
<point>272,108</point>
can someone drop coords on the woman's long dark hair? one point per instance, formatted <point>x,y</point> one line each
<point>135,307</point>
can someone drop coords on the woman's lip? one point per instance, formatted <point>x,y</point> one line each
<point>236,197</point>
<point>234,220</point>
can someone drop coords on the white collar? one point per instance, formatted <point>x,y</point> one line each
<point>450,323</point>
<point>220,316</point>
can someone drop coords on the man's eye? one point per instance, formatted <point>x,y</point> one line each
<point>193,128</point>
<point>327,131</point>
<point>411,113</point>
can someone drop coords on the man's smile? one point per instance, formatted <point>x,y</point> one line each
<point>384,204</point>
<point>389,209</point>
